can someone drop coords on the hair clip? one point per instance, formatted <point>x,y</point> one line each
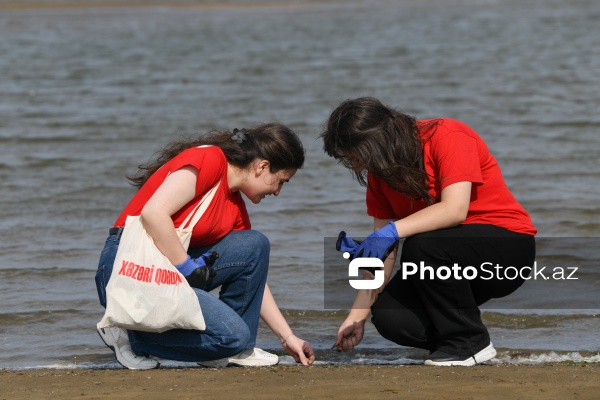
<point>239,135</point>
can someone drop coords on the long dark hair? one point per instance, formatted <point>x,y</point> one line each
<point>272,141</point>
<point>387,142</point>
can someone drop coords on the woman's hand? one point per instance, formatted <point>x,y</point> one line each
<point>299,349</point>
<point>349,335</point>
<point>294,346</point>
<point>380,243</point>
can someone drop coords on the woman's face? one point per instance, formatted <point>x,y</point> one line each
<point>261,182</point>
<point>351,160</point>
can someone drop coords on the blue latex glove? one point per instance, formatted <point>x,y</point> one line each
<point>346,244</point>
<point>189,265</point>
<point>199,271</point>
<point>380,243</point>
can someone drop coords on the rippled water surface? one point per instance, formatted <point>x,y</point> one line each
<point>87,94</point>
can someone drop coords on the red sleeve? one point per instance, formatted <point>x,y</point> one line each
<point>378,205</point>
<point>455,155</point>
<point>209,161</point>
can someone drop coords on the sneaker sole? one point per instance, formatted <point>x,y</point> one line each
<point>484,355</point>
<point>261,359</point>
<point>236,363</point>
<point>117,355</point>
<point>239,362</point>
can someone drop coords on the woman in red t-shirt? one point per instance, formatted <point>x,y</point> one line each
<point>256,163</point>
<point>435,184</point>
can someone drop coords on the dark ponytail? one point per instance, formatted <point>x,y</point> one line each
<point>272,141</point>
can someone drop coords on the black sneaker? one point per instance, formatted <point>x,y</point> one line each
<point>439,358</point>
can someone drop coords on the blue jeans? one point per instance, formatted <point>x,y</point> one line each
<point>231,320</point>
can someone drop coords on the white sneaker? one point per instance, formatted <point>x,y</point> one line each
<point>439,358</point>
<point>248,358</point>
<point>116,339</point>
<point>254,358</point>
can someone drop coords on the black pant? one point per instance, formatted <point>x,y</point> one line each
<point>443,314</point>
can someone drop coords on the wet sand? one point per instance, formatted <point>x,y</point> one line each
<point>320,382</point>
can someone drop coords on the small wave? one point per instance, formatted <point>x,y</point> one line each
<point>42,316</point>
<point>531,320</point>
<point>523,357</point>
<point>45,273</point>
<point>503,358</point>
<point>40,163</point>
<point>535,318</point>
<point>54,139</point>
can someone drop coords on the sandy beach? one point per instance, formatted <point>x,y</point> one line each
<point>321,382</point>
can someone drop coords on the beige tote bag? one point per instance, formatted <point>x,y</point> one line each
<point>146,292</point>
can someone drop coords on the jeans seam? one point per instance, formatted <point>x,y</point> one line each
<point>234,264</point>
<point>248,282</point>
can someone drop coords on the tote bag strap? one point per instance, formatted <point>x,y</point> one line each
<point>194,216</point>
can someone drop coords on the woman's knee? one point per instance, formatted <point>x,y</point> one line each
<point>416,248</point>
<point>238,246</point>
<point>258,240</point>
<point>428,249</point>
<point>247,242</point>
<point>237,341</point>
<point>256,248</point>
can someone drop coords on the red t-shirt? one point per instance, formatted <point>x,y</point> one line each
<point>455,153</point>
<point>227,210</point>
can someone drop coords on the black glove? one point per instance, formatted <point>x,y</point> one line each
<point>201,276</point>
